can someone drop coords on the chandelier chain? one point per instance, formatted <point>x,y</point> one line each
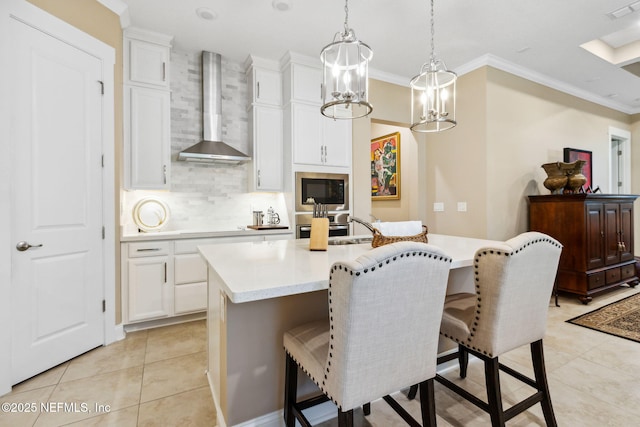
<point>346,17</point>
<point>433,43</point>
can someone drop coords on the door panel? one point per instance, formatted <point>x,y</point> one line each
<point>57,288</point>
<point>612,236</point>
<point>595,238</point>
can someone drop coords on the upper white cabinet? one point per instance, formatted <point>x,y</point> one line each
<point>303,83</point>
<point>267,148</point>
<point>265,99</point>
<point>149,63</point>
<point>313,139</point>
<point>265,84</point>
<point>147,110</point>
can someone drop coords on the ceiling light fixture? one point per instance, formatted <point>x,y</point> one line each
<point>345,75</point>
<point>206,13</point>
<point>281,5</point>
<point>433,94</point>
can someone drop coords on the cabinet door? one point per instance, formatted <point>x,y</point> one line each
<point>267,87</point>
<point>307,134</point>
<point>149,290</point>
<point>595,235</point>
<point>306,84</point>
<point>148,63</point>
<point>612,233</point>
<point>336,137</point>
<point>147,127</point>
<point>267,148</point>
<point>626,231</point>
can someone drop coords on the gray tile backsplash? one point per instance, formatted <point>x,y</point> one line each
<point>206,196</point>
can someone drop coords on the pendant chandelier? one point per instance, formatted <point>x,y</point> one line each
<point>433,94</point>
<point>345,75</point>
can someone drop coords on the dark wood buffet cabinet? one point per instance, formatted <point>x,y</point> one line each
<point>596,231</point>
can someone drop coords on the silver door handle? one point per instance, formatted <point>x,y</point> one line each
<point>23,246</point>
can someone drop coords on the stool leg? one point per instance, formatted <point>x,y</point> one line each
<point>494,395</point>
<point>413,390</point>
<point>366,408</point>
<point>463,360</point>
<point>290,390</point>
<point>428,403</point>
<point>537,356</point>
<point>345,419</point>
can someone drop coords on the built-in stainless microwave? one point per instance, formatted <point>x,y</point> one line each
<point>330,189</point>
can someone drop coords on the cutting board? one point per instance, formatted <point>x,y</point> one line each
<point>267,227</point>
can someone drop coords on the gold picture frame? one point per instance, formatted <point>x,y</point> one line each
<point>385,167</point>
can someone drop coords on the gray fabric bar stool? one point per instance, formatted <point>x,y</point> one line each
<point>513,285</point>
<point>371,347</point>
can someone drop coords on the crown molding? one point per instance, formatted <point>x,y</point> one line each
<point>120,8</point>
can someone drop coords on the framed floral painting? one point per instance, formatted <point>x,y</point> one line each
<point>385,167</point>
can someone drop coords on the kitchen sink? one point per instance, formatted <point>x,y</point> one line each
<point>351,241</point>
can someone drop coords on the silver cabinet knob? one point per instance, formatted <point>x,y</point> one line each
<point>23,246</point>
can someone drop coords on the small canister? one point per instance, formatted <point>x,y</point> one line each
<point>257,217</point>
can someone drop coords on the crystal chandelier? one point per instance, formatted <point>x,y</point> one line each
<point>345,75</point>
<point>433,94</point>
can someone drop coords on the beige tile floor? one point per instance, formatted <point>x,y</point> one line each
<point>154,377</point>
<point>157,378</point>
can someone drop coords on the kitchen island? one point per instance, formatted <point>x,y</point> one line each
<point>257,291</point>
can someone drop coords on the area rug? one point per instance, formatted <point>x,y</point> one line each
<point>620,318</point>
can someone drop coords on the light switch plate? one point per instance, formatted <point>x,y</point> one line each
<point>438,207</point>
<point>462,206</point>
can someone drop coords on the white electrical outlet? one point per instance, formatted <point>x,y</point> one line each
<point>438,207</point>
<point>462,206</point>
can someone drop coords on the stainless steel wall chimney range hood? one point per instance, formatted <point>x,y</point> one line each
<point>211,148</point>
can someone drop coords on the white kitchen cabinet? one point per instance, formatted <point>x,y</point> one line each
<point>147,110</point>
<point>265,81</point>
<point>146,58</point>
<point>303,83</point>
<point>168,278</point>
<point>265,98</point>
<point>317,140</point>
<point>147,138</point>
<point>267,148</point>
<point>148,285</point>
<point>314,140</point>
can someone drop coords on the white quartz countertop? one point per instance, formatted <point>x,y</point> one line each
<point>255,271</point>
<point>201,233</point>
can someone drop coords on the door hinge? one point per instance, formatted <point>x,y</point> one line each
<point>104,306</point>
<point>101,87</point>
<point>103,232</point>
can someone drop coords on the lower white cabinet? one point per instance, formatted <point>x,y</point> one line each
<point>147,270</point>
<point>167,278</point>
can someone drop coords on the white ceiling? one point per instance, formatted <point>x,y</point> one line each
<point>539,39</point>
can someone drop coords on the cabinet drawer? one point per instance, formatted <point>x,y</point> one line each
<point>190,268</point>
<point>613,275</point>
<point>191,297</point>
<point>144,249</point>
<point>627,271</point>
<point>595,280</point>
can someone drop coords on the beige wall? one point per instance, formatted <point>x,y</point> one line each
<point>507,128</point>
<point>527,125</point>
<point>98,21</point>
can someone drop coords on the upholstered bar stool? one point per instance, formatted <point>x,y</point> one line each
<point>371,347</point>
<point>513,285</point>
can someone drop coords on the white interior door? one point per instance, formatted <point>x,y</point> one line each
<point>58,283</point>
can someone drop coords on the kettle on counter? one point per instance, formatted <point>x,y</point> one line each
<point>272,217</point>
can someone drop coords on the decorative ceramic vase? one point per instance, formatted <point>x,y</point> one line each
<point>575,178</point>
<point>556,176</point>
